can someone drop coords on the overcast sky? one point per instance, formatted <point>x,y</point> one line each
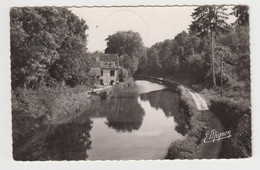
<point>154,24</point>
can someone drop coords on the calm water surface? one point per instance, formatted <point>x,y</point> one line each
<point>138,122</point>
<point>136,125</point>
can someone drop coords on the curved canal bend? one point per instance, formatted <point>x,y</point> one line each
<point>138,122</point>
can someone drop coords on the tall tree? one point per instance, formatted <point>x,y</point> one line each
<point>129,46</point>
<point>241,12</point>
<point>209,20</point>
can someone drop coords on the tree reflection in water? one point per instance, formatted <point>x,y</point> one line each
<point>69,141</point>
<point>168,101</point>
<point>66,141</point>
<point>122,111</point>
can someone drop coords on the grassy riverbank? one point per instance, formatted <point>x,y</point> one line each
<point>33,109</point>
<point>234,112</point>
<point>200,123</point>
<point>233,109</point>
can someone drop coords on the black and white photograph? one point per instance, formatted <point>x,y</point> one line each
<point>109,83</point>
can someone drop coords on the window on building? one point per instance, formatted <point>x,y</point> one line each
<point>101,82</point>
<point>112,72</point>
<point>101,73</point>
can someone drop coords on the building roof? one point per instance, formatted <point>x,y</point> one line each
<point>109,60</point>
<point>108,57</point>
<point>94,72</point>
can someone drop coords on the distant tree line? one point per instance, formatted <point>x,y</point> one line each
<point>196,55</point>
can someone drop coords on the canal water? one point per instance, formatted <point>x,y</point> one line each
<point>135,123</point>
<point>138,124</point>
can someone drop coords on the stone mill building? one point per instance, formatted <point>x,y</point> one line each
<point>106,69</point>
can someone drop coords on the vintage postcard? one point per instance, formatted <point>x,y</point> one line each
<point>130,82</point>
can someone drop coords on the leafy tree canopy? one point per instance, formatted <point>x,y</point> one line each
<point>241,12</point>
<point>129,46</point>
<point>208,19</point>
<point>42,37</point>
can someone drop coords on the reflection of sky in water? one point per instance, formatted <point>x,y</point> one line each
<point>150,141</point>
<point>146,86</point>
<point>142,86</point>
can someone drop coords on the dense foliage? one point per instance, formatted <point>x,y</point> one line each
<point>188,57</point>
<point>241,12</point>
<point>209,20</point>
<point>48,45</point>
<point>49,48</point>
<point>129,47</point>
